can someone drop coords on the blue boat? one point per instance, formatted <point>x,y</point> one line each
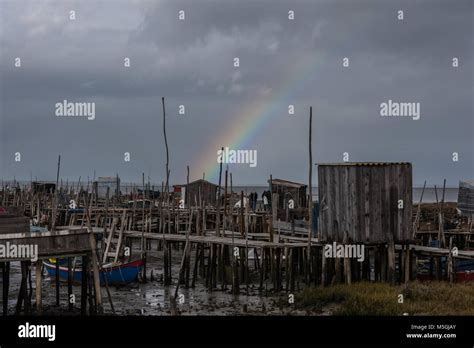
<point>114,273</point>
<point>38,229</point>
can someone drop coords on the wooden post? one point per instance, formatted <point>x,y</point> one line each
<point>142,244</point>
<point>23,292</point>
<point>29,288</point>
<point>271,187</point>
<point>85,267</point>
<point>246,224</point>
<point>278,268</point>
<point>413,266</point>
<point>291,271</point>
<point>167,277</point>
<point>188,245</point>
<point>418,211</point>
<point>450,267</point>
<point>382,255</point>
<point>57,173</point>
<point>391,261</point>
<point>166,247</point>
<point>323,268</point>
<point>184,258</point>
<point>208,270</point>
<point>212,262</point>
<point>441,218</point>
<point>69,283</point>
<point>262,271</point>
<point>91,296</point>
<point>170,259</point>
<point>38,281</point>
<point>57,283</point>
<point>235,277</point>
<point>218,217</point>
<point>287,269</point>
<point>6,284</point>
<point>222,272</point>
<point>310,200</point>
<point>441,238</point>
<point>95,261</point>
<point>196,262</point>
<point>274,214</point>
<point>407,263</point>
<point>166,146</point>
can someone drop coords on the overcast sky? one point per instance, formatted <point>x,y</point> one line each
<point>190,63</point>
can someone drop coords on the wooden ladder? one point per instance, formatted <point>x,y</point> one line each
<point>113,243</point>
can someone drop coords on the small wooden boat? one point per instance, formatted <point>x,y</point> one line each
<point>466,276</point>
<point>115,273</point>
<point>113,270</point>
<point>464,270</point>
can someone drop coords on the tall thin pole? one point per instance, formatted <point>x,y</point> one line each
<point>218,216</point>
<point>57,173</point>
<point>310,200</point>
<point>166,145</point>
<point>418,211</point>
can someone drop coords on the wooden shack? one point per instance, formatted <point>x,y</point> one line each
<point>466,198</point>
<point>43,187</point>
<point>104,182</point>
<point>372,202</point>
<point>201,189</point>
<point>288,190</point>
<point>178,188</point>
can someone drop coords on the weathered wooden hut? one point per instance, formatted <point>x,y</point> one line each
<point>178,188</point>
<point>201,189</point>
<point>288,190</point>
<point>372,202</point>
<point>466,198</point>
<point>104,182</point>
<point>43,187</point>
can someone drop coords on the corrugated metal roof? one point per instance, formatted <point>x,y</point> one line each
<point>200,181</point>
<point>466,197</point>
<point>363,164</point>
<point>467,183</point>
<point>286,183</point>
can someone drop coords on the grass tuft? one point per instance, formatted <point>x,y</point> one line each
<point>365,298</point>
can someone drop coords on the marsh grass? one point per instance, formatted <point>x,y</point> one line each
<point>364,298</point>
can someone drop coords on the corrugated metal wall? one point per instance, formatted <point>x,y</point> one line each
<point>466,197</point>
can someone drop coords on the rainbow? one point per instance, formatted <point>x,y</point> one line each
<point>248,122</point>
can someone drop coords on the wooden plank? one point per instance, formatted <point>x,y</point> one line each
<point>213,240</point>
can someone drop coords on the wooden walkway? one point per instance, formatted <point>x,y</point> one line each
<point>434,251</point>
<point>254,241</point>
<point>62,243</point>
<point>238,242</point>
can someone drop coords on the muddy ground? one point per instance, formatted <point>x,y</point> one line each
<point>153,298</point>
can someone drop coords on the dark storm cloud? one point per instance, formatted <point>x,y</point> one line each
<point>190,63</point>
